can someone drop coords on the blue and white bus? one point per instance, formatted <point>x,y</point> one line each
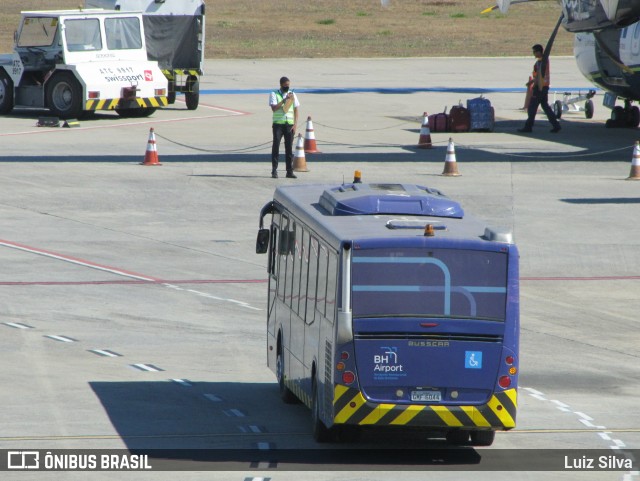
<point>388,306</point>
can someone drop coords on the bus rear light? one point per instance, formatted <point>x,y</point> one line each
<point>504,381</point>
<point>513,370</point>
<point>509,360</point>
<point>94,95</point>
<point>340,366</point>
<point>344,355</point>
<point>348,377</point>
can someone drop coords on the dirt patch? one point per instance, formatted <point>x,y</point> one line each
<point>354,28</point>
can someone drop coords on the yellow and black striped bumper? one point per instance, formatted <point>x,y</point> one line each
<point>172,74</point>
<point>111,104</point>
<point>350,407</point>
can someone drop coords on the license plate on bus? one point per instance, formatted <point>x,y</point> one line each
<point>426,396</point>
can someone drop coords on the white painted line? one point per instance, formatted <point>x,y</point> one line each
<point>537,396</point>
<point>213,398</point>
<point>587,423</point>
<point>619,443</point>
<point>18,325</point>
<point>182,382</point>
<point>533,391</point>
<point>61,338</point>
<point>252,429</point>
<point>105,353</point>
<point>216,298</point>
<point>147,367</point>
<point>583,416</point>
<point>257,479</point>
<point>563,409</point>
<point>605,436</point>
<point>234,413</point>
<point>559,403</point>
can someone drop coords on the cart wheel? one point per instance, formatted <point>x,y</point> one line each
<point>557,109</point>
<point>588,109</point>
<point>171,94</point>
<point>192,94</point>
<point>64,96</point>
<point>6,93</point>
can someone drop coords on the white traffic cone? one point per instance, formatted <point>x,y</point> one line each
<point>450,164</point>
<point>635,163</point>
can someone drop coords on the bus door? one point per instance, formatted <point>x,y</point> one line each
<point>429,324</point>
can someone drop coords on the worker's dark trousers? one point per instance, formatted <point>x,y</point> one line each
<point>279,131</point>
<point>540,98</point>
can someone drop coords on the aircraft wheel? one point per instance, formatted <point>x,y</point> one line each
<point>588,109</point>
<point>557,109</point>
<point>64,96</point>
<point>6,93</point>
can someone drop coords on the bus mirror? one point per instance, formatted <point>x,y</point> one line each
<point>262,242</point>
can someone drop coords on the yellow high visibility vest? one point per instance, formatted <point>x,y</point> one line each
<point>279,115</point>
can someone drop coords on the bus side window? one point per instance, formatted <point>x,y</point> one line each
<point>304,272</point>
<point>282,257</point>
<point>296,284</point>
<point>322,280</point>
<point>291,261</point>
<point>332,282</point>
<point>274,243</point>
<point>313,281</point>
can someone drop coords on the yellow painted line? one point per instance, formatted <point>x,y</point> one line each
<point>348,411</point>
<point>476,416</point>
<point>376,415</point>
<point>446,415</point>
<point>408,414</point>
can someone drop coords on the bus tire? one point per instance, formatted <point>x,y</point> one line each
<point>458,437</point>
<point>6,93</point>
<point>482,438</point>
<point>64,96</point>
<point>286,394</point>
<point>192,93</point>
<point>321,433</point>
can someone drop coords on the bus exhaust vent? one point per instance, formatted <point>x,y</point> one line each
<point>398,199</point>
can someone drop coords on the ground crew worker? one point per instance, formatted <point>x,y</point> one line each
<point>540,91</point>
<point>284,104</point>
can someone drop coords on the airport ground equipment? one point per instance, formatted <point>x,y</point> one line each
<point>74,62</point>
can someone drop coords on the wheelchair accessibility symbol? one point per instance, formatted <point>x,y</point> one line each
<point>473,359</point>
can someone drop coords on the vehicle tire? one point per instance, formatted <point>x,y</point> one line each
<point>557,109</point>
<point>320,432</point>
<point>171,93</point>
<point>135,113</point>
<point>588,109</point>
<point>618,114</point>
<point>192,93</point>
<point>285,393</point>
<point>482,438</point>
<point>6,93</point>
<point>633,117</point>
<point>458,437</point>
<point>64,96</point>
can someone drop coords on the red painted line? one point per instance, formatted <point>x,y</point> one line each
<point>598,278</point>
<point>132,282</point>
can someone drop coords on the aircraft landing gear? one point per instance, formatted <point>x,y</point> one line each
<point>624,117</point>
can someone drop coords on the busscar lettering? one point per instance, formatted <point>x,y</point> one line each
<point>428,343</point>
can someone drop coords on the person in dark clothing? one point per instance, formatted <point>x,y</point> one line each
<point>540,92</point>
<point>284,105</point>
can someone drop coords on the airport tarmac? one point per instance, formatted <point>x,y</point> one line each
<point>133,304</point>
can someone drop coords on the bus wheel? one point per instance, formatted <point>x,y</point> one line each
<point>482,438</point>
<point>321,433</point>
<point>285,393</point>
<point>458,437</point>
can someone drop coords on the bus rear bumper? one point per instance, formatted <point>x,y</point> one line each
<point>350,407</point>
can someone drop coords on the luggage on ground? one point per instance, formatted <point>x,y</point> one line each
<point>459,119</point>
<point>439,122</point>
<point>481,113</point>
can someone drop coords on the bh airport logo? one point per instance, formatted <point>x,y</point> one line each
<point>387,362</point>
<point>23,460</point>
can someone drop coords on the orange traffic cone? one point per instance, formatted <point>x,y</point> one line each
<point>424,142</point>
<point>450,164</point>
<point>151,155</point>
<point>635,163</point>
<point>310,146</point>
<point>299,161</point>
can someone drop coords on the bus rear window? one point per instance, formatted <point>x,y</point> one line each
<point>449,283</point>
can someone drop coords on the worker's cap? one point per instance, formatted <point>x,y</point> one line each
<point>537,48</point>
